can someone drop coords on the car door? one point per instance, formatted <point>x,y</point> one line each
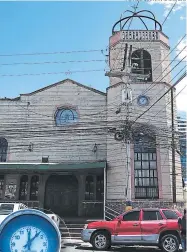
<point>152,224</point>
<point>171,218</point>
<point>128,229</point>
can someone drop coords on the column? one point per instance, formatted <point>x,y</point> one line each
<point>81,194</point>
<point>41,192</point>
<point>29,187</point>
<point>95,187</point>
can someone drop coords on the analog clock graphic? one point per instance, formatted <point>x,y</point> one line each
<point>28,238</point>
<point>143,100</point>
<point>29,230</point>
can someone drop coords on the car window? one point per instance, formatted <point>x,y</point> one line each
<point>6,209</point>
<point>131,216</point>
<point>170,215</point>
<point>151,215</point>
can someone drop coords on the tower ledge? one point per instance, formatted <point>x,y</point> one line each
<point>139,36</point>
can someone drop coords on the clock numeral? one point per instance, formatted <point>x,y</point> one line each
<point>42,250</point>
<point>21,232</point>
<point>17,237</point>
<point>13,244</point>
<point>41,237</point>
<point>44,244</point>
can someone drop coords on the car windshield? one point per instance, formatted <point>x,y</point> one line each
<point>6,209</point>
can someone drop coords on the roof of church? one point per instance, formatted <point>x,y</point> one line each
<point>56,84</point>
<point>61,82</point>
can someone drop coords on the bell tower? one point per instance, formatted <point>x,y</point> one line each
<point>139,150</point>
<point>149,48</point>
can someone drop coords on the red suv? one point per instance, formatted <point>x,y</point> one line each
<point>146,227</point>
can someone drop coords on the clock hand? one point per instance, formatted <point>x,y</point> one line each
<point>36,235</point>
<point>29,240</point>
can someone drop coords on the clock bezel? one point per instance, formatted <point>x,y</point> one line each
<point>35,213</point>
<point>143,96</point>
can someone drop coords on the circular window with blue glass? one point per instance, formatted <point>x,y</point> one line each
<point>66,116</point>
<point>29,230</point>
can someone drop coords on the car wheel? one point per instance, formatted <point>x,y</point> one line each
<point>101,241</point>
<point>169,243</point>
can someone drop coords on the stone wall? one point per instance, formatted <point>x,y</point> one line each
<point>119,206</point>
<point>31,119</point>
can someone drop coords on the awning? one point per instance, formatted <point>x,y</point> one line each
<point>52,166</point>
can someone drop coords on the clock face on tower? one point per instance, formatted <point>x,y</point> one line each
<point>29,230</point>
<point>143,100</point>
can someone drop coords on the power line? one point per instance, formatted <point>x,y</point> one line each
<point>169,12</point>
<point>53,73</point>
<point>154,83</point>
<point>49,53</point>
<point>71,61</point>
<point>166,18</point>
<point>182,77</point>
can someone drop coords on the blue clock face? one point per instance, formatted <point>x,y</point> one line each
<point>28,238</point>
<point>143,100</point>
<point>29,232</point>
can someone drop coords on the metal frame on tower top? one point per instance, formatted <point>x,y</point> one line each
<point>140,17</point>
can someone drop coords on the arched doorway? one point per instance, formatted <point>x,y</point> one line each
<point>61,195</point>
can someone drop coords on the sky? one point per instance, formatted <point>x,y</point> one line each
<point>52,34</point>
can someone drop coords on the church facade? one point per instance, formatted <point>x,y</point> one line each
<point>58,148</point>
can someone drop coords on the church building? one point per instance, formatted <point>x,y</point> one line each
<point>83,153</point>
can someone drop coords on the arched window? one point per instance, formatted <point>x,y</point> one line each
<point>1,186</point>
<point>141,63</point>
<point>3,149</point>
<point>100,187</point>
<point>89,188</point>
<point>145,165</point>
<point>66,116</point>
<point>23,190</point>
<point>34,187</point>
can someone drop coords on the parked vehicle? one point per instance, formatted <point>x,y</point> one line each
<point>53,216</point>
<point>146,227</point>
<point>8,208</point>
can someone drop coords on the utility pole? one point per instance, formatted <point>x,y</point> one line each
<point>173,148</point>
<point>125,133</point>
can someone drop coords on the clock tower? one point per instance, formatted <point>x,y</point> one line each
<point>139,149</point>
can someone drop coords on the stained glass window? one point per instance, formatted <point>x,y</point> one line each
<point>66,117</point>
<point>23,188</point>
<point>34,187</point>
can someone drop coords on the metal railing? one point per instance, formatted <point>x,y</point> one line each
<point>110,213</point>
<point>93,208</point>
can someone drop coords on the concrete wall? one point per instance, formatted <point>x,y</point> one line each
<point>31,120</point>
<point>158,49</point>
<point>158,118</point>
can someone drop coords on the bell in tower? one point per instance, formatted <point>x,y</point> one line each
<point>141,49</point>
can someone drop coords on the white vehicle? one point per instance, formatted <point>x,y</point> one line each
<point>53,216</point>
<point>8,208</point>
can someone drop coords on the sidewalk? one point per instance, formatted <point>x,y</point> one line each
<point>75,242</point>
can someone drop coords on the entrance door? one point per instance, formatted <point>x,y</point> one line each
<point>61,195</point>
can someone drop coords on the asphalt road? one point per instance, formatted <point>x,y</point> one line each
<point>84,247</point>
